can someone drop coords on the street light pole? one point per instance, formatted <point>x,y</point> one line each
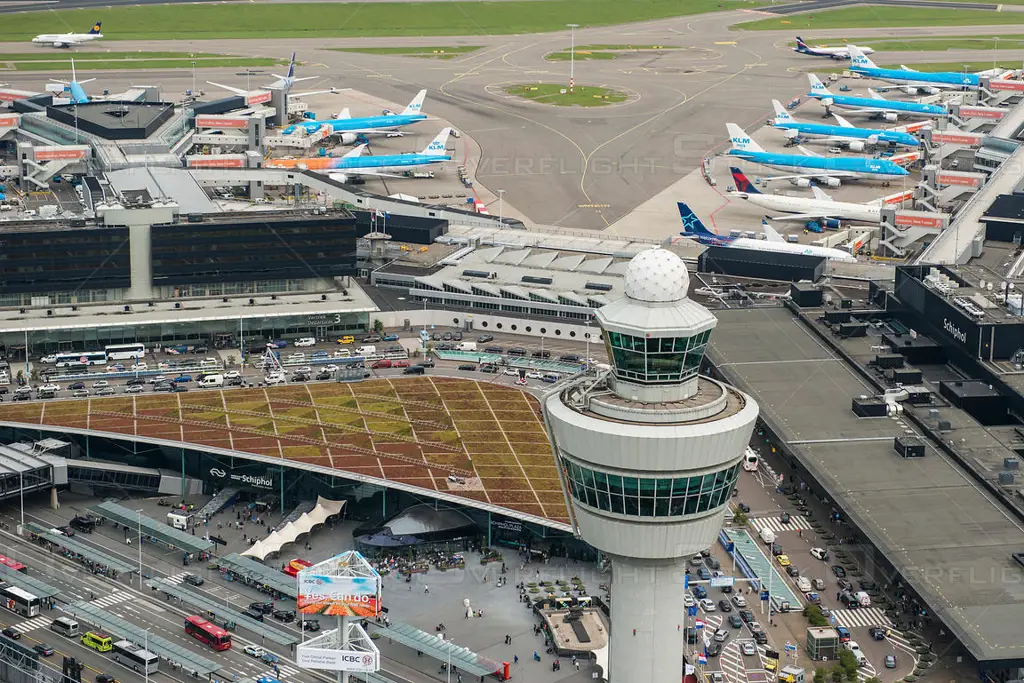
<point>995,48</point>
<point>139,513</point>
<point>572,55</point>
<point>21,491</point>
<point>193,79</point>
<point>146,648</point>
<point>501,207</point>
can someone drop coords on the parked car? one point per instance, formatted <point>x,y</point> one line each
<point>724,606</point>
<point>134,389</point>
<point>708,605</point>
<point>700,592</point>
<point>80,393</point>
<point>254,651</point>
<point>100,384</point>
<point>468,367</point>
<point>735,621</point>
<point>746,615</point>
<point>181,379</point>
<point>253,614</point>
<point>176,389</point>
<point>105,391</point>
<point>792,571</point>
<point>749,648</point>
<point>544,353</point>
<point>372,339</point>
<point>704,573</point>
<point>839,571</point>
<point>76,385</point>
<point>390,337</point>
<point>494,349</point>
<point>193,580</point>
<point>482,339</point>
<point>311,625</point>
<point>323,375</point>
<point>739,601</point>
<point>819,554</point>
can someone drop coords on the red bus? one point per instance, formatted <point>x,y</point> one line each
<point>295,566</point>
<point>208,633</point>
<point>13,564</point>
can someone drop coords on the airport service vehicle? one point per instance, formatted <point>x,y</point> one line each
<point>845,134</point>
<point>875,105</point>
<point>826,51</point>
<point>349,129</point>
<point>205,632</point>
<point>821,208</point>
<point>827,170</point>
<point>131,656</point>
<point>695,229</point>
<point>69,39</point>
<point>930,82</point>
<point>100,642</point>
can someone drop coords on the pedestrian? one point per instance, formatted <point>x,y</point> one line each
<point>577,663</point>
<point>426,588</point>
<point>515,659</point>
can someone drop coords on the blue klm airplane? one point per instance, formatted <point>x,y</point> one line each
<point>366,124</point>
<point>876,104</point>
<point>856,139</point>
<point>922,80</point>
<point>827,170</point>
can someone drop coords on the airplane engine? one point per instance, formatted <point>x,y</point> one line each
<point>832,182</point>
<point>348,138</point>
<point>60,44</point>
<point>340,177</point>
<point>856,145</point>
<point>827,101</point>
<point>909,89</point>
<point>830,223</point>
<point>792,134</point>
<point>802,182</point>
<point>889,116</point>
<point>932,91</point>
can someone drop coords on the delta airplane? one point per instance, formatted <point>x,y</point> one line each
<point>826,51</point>
<point>69,39</point>
<point>854,138</point>
<point>350,128</point>
<point>913,81</point>
<point>828,171</point>
<point>693,228</point>
<point>889,110</point>
<point>355,164</point>
<point>821,207</point>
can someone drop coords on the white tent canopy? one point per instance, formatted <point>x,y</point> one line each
<point>291,531</point>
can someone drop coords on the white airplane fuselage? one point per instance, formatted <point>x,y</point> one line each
<point>866,213</point>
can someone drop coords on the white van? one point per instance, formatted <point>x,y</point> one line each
<point>804,584</point>
<point>209,363</point>
<point>306,341</point>
<point>180,520</point>
<point>65,626</point>
<point>466,346</point>
<point>863,599</point>
<point>767,535</point>
<point>212,381</point>
<point>369,350</point>
<point>275,378</point>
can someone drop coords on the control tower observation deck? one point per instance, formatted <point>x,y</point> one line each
<point>649,453</point>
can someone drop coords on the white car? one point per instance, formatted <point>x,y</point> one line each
<point>52,358</point>
<point>275,378</point>
<point>534,375</point>
<point>749,648</point>
<point>717,677</point>
<point>140,366</point>
<point>689,600</point>
<point>297,357</point>
<point>133,389</point>
<point>305,369</point>
<point>306,341</point>
<point>158,379</point>
<point>331,368</point>
<point>511,371</point>
<point>231,374</point>
<point>708,605</point>
<point>739,601</point>
<point>255,651</point>
<point>100,384</point>
<point>720,635</point>
<point>819,553</point>
<point>50,387</point>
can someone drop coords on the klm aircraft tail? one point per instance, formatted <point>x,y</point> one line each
<point>781,115</point>
<point>817,87</point>
<point>740,140</point>
<point>416,105</point>
<point>439,144</point>
<point>859,59</point>
<point>801,46</point>
<point>692,226</point>
<point>743,183</point>
<point>95,30</point>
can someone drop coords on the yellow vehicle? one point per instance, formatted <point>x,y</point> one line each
<point>347,339</point>
<point>100,642</point>
<point>784,561</point>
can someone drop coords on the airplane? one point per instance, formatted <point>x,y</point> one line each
<point>826,51</point>
<point>69,39</point>
<point>913,81</point>
<point>282,83</point>
<point>351,128</point>
<point>353,163</point>
<point>876,105</point>
<point>821,208</point>
<point>828,171</point>
<point>856,139</point>
<point>693,228</point>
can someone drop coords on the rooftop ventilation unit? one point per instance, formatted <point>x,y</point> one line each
<point>599,286</point>
<point>476,273</point>
<point>534,280</point>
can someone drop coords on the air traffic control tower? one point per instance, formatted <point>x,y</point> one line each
<point>649,453</point>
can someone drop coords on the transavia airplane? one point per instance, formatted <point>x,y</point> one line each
<point>914,81</point>
<point>876,105</point>
<point>821,207</point>
<point>693,228</point>
<point>355,164</point>
<point>856,139</point>
<point>69,39</point>
<point>349,127</point>
<point>282,83</point>
<point>828,171</point>
<point>826,51</point>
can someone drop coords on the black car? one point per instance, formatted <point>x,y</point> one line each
<point>447,336</point>
<point>714,649</point>
<point>11,633</point>
<point>569,358</point>
<point>714,563</point>
<point>253,614</point>
<point>428,363</point>
<point>484,338</point>
<point>177,389</point>
<point>105,678</point>
<point>21,397</point>
<point>849,600</point>
<point>234,381</point>
<point>285,615</point>
<point>867,585</point>
<point>541,354</point>
<point>494,349</point>
<point>323,375</point>
<point>844,585</point>
<point>489,368</point>
<point>517,351</point>
<point>43,649</point>
<point>839,571</point>
<point>76,385</point>
<point>66,530</point>
<point>300,377</point>
<point>83,523</point>
<point>744,508</point>
<point>724,606</point>
<point>469,367</point>
<point>163,386</point>
<point>746,615</point>
<point>311,625</point>
<point>877,633</point>
<point>456,336</point>
<point>727,589</point>
<point>777,549</point>
<point>202,348</point>
<point>415,370</point>
<point>761,638</point>
<point>735,621</point>
<point>792,571</point>
<point>194,580</point>
<point>135,380</point>
<point>262,607</point>
<point>444,346</point>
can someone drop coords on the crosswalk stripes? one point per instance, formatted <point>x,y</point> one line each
<point>866,672</point>
<point>32,624</point>
<point>731,662</point>
<point>287,671</point>
<point>862,616</point>
<point>795,523</point>
<point>177,578</point>
<point>112,599</point>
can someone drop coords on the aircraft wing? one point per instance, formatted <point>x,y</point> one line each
<point>237,91</point>
<point>360,171</point>
<point>814,176</point>
<point>820,194</point>
<point>802,217</point>
<point>300,95</point>
<point>806,152</point>
<point>771,233</point>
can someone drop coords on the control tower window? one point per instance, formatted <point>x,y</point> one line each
<point>657,360</point>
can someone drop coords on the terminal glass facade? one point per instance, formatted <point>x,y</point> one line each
<point>656,360</point>
<point>650,496</point>
<point>47,260</point>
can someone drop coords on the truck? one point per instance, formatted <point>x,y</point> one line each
<point>466,346</point>
<point>180,520</point>
<point>767,536</point>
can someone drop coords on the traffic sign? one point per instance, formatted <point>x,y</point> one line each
<point>764,596</point>
<point>719,581</point>
<point>790,647</point>
<point>686,581</point>
<point>691,611</point>
<point>730,546</point>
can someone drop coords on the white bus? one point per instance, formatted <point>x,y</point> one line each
<point>131,656</point>
<point>20,601</point>
<point>750,460</point>
<point>126,352</point>
<point>80,359</point>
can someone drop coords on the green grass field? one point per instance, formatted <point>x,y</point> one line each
<point>1006,42</point>
<point>874,16</point>
<point>356,19</point>
<point>47,61</point>
<point>582,95</point>
<point>427,52</point>
<point>589,52</point>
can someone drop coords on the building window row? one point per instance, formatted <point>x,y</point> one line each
<point>649,496</point>
<point>656,360</point>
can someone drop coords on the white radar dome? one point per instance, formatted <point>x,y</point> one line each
<point>657,275</point>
